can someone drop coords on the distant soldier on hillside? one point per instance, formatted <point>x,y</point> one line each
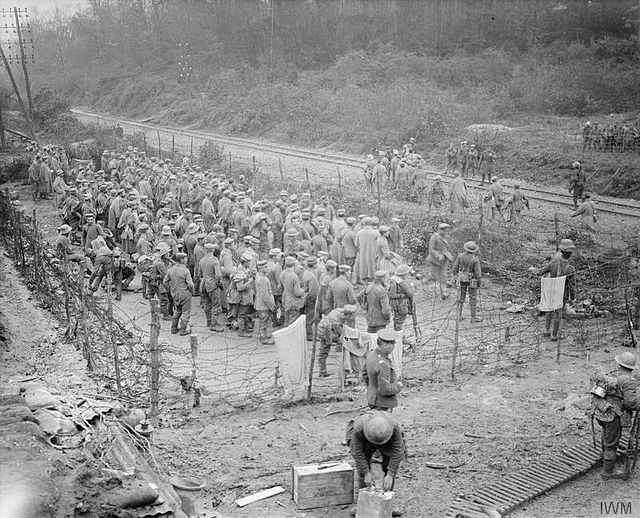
<point>451,155</point>
<point>577,183</point>
<point>487,163</point>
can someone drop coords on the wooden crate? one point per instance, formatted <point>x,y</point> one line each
<point>374,503</point>
<point>321,485</point>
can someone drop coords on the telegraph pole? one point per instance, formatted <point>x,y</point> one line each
<point>23,60</point>
<point>10,55</point>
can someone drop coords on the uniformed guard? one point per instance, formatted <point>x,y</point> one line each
<point>468,273</point>
<point>377,432</point>
<point>383,386</point>
<point>376,300</point>
<point>615,398</point>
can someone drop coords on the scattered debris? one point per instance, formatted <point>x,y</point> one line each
<point>267,493</point>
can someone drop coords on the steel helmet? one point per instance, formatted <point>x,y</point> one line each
<point>566,245</point>
<point>378,429</point>
<point>627,360</point>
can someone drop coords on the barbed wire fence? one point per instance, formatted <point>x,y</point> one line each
<point>111,347</point>
<point>118,341</point>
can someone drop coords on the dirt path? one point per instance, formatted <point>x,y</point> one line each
<point>524,412</point>
<point>36,481</point>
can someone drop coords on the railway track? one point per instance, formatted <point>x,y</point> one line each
<point>621,207</point>
<point>517,488</point>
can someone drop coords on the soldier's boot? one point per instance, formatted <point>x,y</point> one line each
<point>216,323</point>
<point>474,313</point>
<point>174,325</point>
<point>555,330</point>
<point>322,367</point>
<point>183,330</point>
<point>609,471</point>
<point>208,315</point>
<point>242,327</point>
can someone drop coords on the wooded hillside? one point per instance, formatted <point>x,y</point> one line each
<point>357,72</point>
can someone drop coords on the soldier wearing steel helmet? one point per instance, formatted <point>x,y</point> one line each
<point>560,266</point>
<point>578,183</point>
<point>469,274</point>
<point>375,432</point>
<point>615,399</point>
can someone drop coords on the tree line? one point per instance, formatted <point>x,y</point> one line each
<point>120,37</point>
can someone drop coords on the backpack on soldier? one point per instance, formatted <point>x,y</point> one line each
<point>602,408</point>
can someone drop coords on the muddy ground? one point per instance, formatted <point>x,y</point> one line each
<point>521,409</point>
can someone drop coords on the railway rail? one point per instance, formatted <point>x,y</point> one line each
<point>621,207</point>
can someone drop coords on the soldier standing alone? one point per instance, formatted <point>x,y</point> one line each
<point>467,268</point>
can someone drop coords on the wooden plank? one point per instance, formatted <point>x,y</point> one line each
<point>266,493</point>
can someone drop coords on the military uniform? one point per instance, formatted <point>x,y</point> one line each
<point>210,288</point>
<point>378,308</point>
<point>179,283</point>
<point>622,398</point>
<point>311,287</point>
<point>292,296</point>
<point>380,378</point>
<point>559,267</point>
<point>264,305</point>
<point>401,300</point>
<point>329,333</point>
<point>340,293</point>
<point>156,286</point>
<point>392,452</point>
<point>467,268</point>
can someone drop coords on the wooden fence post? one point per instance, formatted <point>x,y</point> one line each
<point>86,351</point>
<point>37,277</point>
<point>173,144</point>
<point>313,359</point>
<point>191,390</point>
<point>154,350</point>
<point>456,343</point>
<point>159,148</point>
<point>556,226</point>
<point>20,243</point>
<point>65,287</point>
<point>339,180</point>
<point>306,175</point>
<point>112,340</point>
<point>191,152</point>
<point>229,162</point>
<point>281,171</point>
